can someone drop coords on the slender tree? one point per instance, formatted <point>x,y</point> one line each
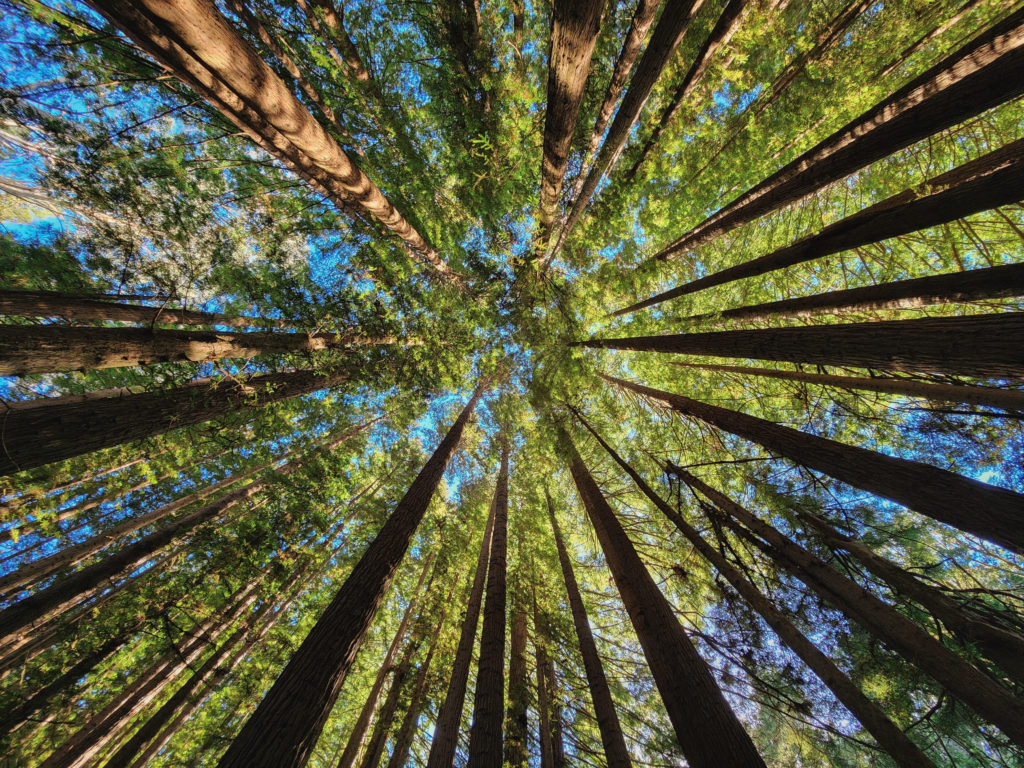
<point>516,723</point>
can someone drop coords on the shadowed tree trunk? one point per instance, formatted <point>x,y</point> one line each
<point>614,744</point>
<point>988,182</point>
<point>287,723</point>
<point>516,723</point>
<point>708,732</point>
<point>51,432</point>
<point>547,750</point>
<point>888,735</point>
<point>574,28</point>
<point>1007,399</point>
<point>388,710</point>
<point>984,510</point>
<point>982,346</point>
<point>978,76</point>
<point>485,732</point>
<point>446,727</point>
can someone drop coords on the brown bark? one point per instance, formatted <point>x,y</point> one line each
<point>1007,399</point>
<point>709,733</point>
<point>961,679</point>
<point>386,716</point>
<point>32,437</point>
<point>485,732</point>
<point>978,76</point>
<point>984,510</point>
<point>668,32</point>
<point>574,28</point>
<point>191,39</point>
<point>446,727</point>
<point>608,725</point>
<point>982,346</point>
<point>287,723</point>
<point>557,729</point>
<point>888,735</point>
<point>73,307</point>
<point>516,723</point>
<point>547,750</point>
<point>988,182</point>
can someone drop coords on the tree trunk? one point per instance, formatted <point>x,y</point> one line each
<point>446,727</point>
<point>574,28</point>
<point>388,710</point>
<point>983,346</point>
<point>200,47</point>
<point>888,735</point>
<point>608,725</point>
<point>72,307</point>
<point>557,730</point>
<point>980,75</point>
<point>988,182</point>
<point>287,723</point>
<point>53,432</point>
<point>547,750</point>
<point>1007,399</point>
<point>516,723</point>
<point>958,677</point>
<point>672,25</point>
<point>708,731</point>
<point>485,733</point>
<point>983,510</point>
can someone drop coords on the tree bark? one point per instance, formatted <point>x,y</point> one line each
<point>52,432</point>
<point>977,77</point>
<point>547,750</point>
<point>612,740</point>
<point>888,735</point>
<point>574,28</point>
<point>287,723</point>
<point>485,732</point>
<point>708,731</point>
<point>386,716</point>
<point>516,723</point>
<point>446,727</point>
<point>983,346</point>
<point>1007,399</point>
<point>980,509</point>
<point>988,182</point>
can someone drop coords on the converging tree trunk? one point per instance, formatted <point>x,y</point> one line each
<point>516,723</point>
<point>283,730</point>
<point>708,731</point>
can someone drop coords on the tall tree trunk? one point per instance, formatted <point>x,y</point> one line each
<point>446,727</point>
<point>982,346</point>
<point>977,77</point>
<point>1007,399</point>
<point>612,740</point>
<point>516,723</point>
<point>547,751</point>
<point>52,432</point>
<point>386,716</point>
<point>485,733</point>
<point>200,47</point>
<point>728,22</point>
<point>984,510</point>
<point>362,724</point>
<point>888,735</point>
<point>72,307</point>
<point>988,182</point>
<point>957,676</point>
<point>557,729</point>
<point>287,723</point>
<point>708,731</point>
<point>574,28</point>
<point>668,32</point>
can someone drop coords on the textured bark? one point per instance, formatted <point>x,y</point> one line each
<point>485,732</point>
<point>983,346</point>
<point>32,437</point>
<point>709,733</point>
<point>1007,399</point>
<point>191,39</point>
<point>516,723</point>
<point>967,683</point>
<point>988,182</point>
<point>984,510</point>
<point>72,307</point>
<point>888,735</point>
<point>977,77</point>
<point>612,740</point>
<point>574,28</point>
<point>287,723</point>
<point>668,32</point>
<point>446,727</point>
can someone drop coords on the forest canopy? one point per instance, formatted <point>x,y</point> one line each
<point>471,383</point>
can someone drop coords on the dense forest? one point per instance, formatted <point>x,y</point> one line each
<point>576,383</point>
